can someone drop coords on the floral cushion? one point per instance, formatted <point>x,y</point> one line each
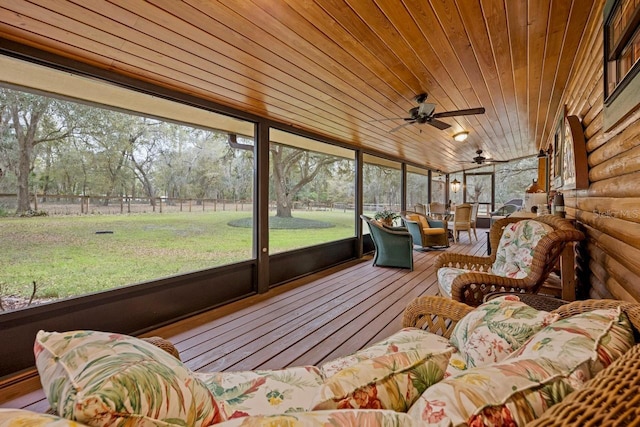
<point>344,418</point>
<point>22,418</point>
<point>515,250</point>
<point>457,364</point>
<point>446,275</point>
<point>242,394</point>
<point>101,379</point>
<point>509,393</point>
<point>602,336</point>
<point>496,329</point>
<point>387,375</point>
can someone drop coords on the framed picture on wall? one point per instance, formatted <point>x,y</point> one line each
<point>558,139</point>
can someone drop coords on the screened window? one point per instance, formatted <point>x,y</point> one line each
<point>417,187</point>
<point>108,187</point>
<point>311,191</point>
<point>438,187</point>
<point>513,178</point>
<point>382,186</point>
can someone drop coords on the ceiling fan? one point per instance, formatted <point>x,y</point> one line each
<point>425,113</point>
<point>482,160</point>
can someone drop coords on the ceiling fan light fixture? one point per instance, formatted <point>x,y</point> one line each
<point>461,136</point>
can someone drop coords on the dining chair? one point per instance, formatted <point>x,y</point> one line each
<point>462,221</point>
<point>437,209</point>
<point>420,208</point>
<point>474,218</point>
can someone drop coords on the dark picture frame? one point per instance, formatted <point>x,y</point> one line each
<point>558,145</point>
<point>575,171</point>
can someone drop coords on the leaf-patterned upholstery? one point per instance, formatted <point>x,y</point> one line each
<point>388,375</point>
<point>517,245</point>
<point>102,379</point>
<point>497,328</point>
<point>552,363</point>
<point>263,392</point>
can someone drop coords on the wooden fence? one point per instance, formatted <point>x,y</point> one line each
<point>59,204</point>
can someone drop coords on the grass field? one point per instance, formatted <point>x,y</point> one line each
<point>68,255</point>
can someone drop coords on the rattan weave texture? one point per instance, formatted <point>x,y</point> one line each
<point>435,314</point>
<point>164,345</point>
<point>611,398</point>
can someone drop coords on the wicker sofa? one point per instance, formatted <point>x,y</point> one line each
<point>611,398</point>
<point>254,398</point>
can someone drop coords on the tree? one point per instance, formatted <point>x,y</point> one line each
<point>292,169</point>
<point>31,123</point>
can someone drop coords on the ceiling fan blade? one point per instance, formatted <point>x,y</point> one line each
<point>495,161</point>
<point>401,126</point>
<point>439,124</point>
<point>467,112</point>
<point>392,118</point>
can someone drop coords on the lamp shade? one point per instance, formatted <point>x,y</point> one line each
<point>455,185</point>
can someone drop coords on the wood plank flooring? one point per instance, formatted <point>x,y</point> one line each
<point>308,321</point>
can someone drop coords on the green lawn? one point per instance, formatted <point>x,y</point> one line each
<point>65,256</point>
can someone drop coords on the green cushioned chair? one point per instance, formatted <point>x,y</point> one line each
<point>394,245</point>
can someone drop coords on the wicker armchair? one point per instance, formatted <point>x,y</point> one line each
<point>426,232</point>
<point>471,287</point>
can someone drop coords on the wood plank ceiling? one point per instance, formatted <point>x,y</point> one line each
<point>338,67</point>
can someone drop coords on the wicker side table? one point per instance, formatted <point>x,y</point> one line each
<point>537,301</point>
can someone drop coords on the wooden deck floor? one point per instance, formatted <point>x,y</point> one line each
<point>308,321</point>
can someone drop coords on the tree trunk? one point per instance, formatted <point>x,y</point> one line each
<point>283,211</point>
<point>26,140</point>
<point>23,175</point>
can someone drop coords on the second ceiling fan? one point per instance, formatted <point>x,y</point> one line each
<point>482,160</point>
<point>425,113</point>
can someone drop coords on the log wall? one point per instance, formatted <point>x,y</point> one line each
<point>609,210</point>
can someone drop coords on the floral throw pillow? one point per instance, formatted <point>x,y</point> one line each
<point>602,336</point>
<point>388,375</point>
<point>509,393</point>
<point>104,379</point>
<point>496,329</point>
<point>515,250</point>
